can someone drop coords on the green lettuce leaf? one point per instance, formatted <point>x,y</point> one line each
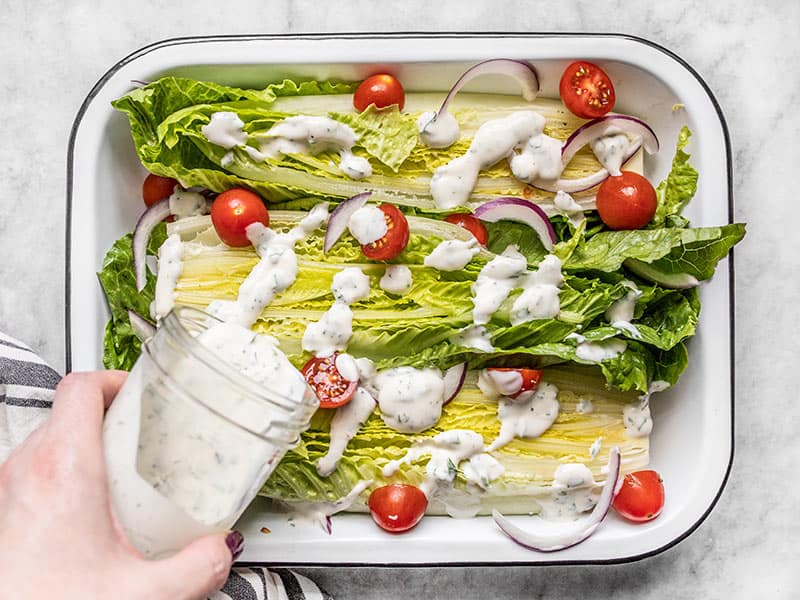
<point>675,192</point>
<point>121,347</point>
<point>385,133</point>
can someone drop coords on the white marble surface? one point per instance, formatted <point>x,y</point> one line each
<point>51,53</point>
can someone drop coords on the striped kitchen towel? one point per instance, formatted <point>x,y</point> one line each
<point>27,387</point>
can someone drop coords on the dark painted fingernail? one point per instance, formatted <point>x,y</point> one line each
<point>235,542</point>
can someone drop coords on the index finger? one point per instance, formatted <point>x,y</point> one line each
<point>82,398</point>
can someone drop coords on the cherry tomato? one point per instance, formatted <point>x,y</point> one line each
<point>156,187</point>
<point>471,224</point>
<point>331,388</point>
<point>586,90</point>
<point>397,507</point>
<point>396,238</point>
<point>382,90</point>
<point>641,496</point>
<point>530,378</point>
<point>627,201</point>
<point>231,213</point>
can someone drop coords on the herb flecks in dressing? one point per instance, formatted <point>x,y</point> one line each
<point>527,416</point>
<point>410,399</point>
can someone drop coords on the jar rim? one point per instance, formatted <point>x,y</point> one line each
<point>291,413</point>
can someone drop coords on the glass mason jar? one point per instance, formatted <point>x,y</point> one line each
<point>189,439</point>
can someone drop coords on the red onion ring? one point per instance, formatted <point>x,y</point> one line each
<point>142,327</point>
<point>518,69</point>
<point>141,236</point>
<point>572,533</point>
<point>599,127</point>
<point>337,222</point>
<point>453,381</point>
<point>522,211</point>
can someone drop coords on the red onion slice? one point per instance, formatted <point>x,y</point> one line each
<point>141,236</point>
<point>597,128</point>
<point>581,184</point>
<point>337,222</point>
<point>142,327</point>
<point>675,281</point>
<point>522,211</point>
<point>453,381</point>
<point>572,533</point>
<point>518,69</point>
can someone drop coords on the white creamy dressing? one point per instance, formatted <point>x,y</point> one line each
<point>610,150</point>
<point>170,266</point>
<point>320,512</point>
<point>367,224</point>
<point>540,159</point>
<point>184,204</point>
<point>350,285</point>
<point>573,492</point>
<point>438,130</point>
<point>527,416</point>
<point>494,383</point>
<point>482,469</point>
<point>447,450</point>
<point>334,329</point>
<point>596,352</point>
<point>620,313</point>
<point>540,288</point>
<point>312,135</point>
<point>584,406</point>
<point>594,449</point>
<point>410,399</point>
<point>396,279</point>
<point>275,271</point>
<point>331,333</point>
<point>452,184</point>
<point>477,337</point>
<point>494,283</point>
<point>566,205</point>
<point>225,129</point>
<point>452,255</point>
<point>178,470</point>
<point>347,367</point>
<point>636,415</point>
<point>344,426</point>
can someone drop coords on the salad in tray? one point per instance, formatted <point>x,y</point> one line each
<point>484,291</point>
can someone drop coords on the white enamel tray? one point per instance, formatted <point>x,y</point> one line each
<point>692,443</point>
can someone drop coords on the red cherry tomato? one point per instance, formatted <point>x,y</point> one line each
<point>331,388</point>
<point>641,496</point>
<point>382,90</point>
<point>231,213</point>
<point>396,238</point>
<point>397,507</point>
<point>627,201</point>
<point>156,187</point>
<point>471,224</point>
<point>586,90</point>
<point>530,378</point>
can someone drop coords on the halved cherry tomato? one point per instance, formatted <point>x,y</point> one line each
<point>530,378</point>
<point>397,507</point>
<point>627,201</point>
<point>471,224</point>
<point>382,90</point>
<point>156,187</point>
<point>235,209</point>
<point>396,238</point>
<point>640,497</point>
<point>331,388</point>
<point>586,90</point>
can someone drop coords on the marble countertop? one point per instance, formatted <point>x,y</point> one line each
<point>52,53</point>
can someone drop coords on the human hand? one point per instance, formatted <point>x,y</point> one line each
<point>60,536</point>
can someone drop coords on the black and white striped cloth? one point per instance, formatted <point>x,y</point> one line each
<point>27,387</point>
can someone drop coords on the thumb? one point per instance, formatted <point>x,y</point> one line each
<point>198,570</point>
